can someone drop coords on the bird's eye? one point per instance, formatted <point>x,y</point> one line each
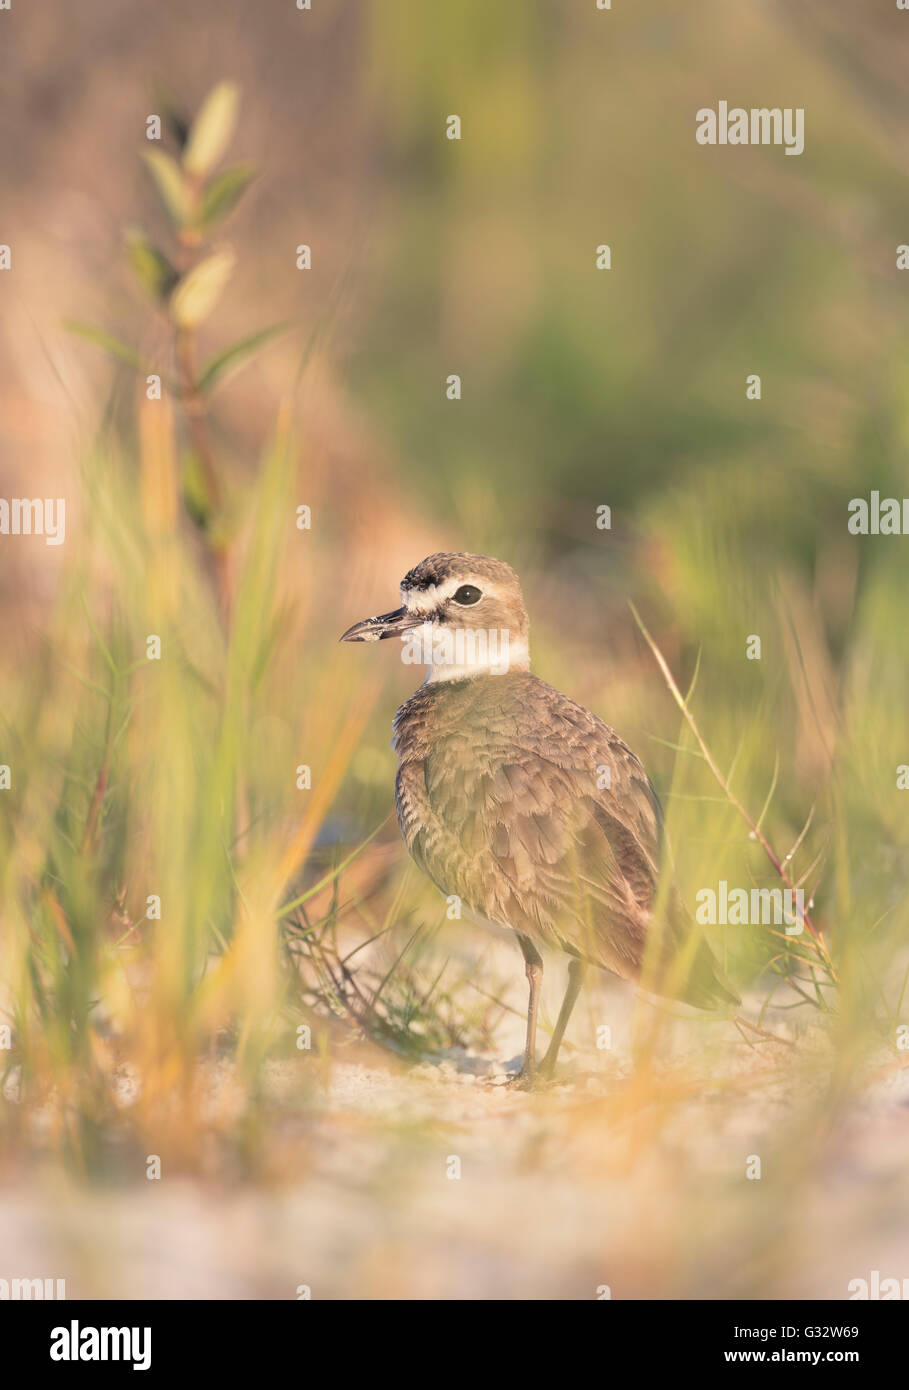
<point>467,594</point>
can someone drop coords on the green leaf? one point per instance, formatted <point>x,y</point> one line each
<point>212,129</point>
<point>228,361</point>
<point>153,269</point>
<point>199,290</point>
<point>195,492</point>
<point>109,344</point>
<point>170,184</point>
<point>173,116</point>
<point>223,193</point>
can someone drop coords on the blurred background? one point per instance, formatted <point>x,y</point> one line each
<point>178,898</point>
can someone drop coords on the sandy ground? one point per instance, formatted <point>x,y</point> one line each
<point>436,1181</point>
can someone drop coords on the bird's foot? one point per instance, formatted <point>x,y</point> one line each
<point>525,1080</point>
<point>531,1079</point>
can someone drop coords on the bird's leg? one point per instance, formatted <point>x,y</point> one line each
<point>534,964</point>
<point>576,972</point>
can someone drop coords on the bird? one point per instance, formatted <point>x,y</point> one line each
<point>524,806</point>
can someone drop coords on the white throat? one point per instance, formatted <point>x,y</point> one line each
<point>456,654</point>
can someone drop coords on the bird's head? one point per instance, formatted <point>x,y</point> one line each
<point>461,615</point>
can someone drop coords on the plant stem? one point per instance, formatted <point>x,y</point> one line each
<point>194,406</point>
<point>753,825</point>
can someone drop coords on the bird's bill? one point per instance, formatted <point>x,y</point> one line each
<point>385,625</point>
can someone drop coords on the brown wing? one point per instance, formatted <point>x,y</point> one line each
<point>539,817</point>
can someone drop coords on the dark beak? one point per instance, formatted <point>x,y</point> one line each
<point>385,625</point>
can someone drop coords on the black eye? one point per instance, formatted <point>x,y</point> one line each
<point>468,593</point>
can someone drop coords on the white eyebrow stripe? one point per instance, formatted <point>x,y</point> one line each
<point>425,600</point>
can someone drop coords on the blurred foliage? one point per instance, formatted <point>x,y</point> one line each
<point>186,287</point>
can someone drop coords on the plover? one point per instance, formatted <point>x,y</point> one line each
<point>525,806</point>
